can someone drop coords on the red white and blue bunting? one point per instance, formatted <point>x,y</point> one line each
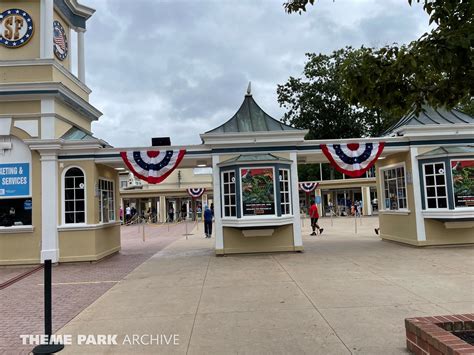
<point>196,192</point>
<point>353,159</point>
<point>308,186</point>
<point>152,166</point>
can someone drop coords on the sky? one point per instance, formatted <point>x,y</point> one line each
<point>178,68</point>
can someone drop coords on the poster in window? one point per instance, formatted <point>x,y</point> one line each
<point>463,182</point>
<point>14,179</point>
<point>257,192</point>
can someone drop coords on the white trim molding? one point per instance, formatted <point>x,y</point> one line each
<point>420,222</point>
<point>216,181</point>
<point>295,196</point>
<point>257,222</point>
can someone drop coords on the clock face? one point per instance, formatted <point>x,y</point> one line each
<point>16,28</point>
<point>60,45</point>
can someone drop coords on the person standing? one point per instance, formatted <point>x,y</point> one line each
<point>314,215</point>
<point>207,222</point>
<point>128,214</point>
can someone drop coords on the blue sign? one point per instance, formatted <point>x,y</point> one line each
<point>27,205</point>
<point>14,179</point>
<point>318,200</point>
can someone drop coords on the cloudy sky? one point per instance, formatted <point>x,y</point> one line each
<point>181,67</point>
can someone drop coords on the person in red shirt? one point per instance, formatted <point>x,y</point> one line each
<point>314,215</point>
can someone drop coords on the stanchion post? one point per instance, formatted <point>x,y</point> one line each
<point>48,348</point>
<point>355,222</point>
<point>143,232</point>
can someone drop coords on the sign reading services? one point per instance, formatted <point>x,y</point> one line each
<point>14,179</point>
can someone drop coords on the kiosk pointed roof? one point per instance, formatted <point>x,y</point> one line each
<point>251,118</point>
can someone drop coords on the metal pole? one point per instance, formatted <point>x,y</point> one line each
<point>48,348</point>
<point>331,212</point>
<point>143,232</point>
<point>186,224</point>
<point>355,220</point>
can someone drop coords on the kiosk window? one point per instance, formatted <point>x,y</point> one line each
<point>228,195</point>
<point>394,187</point>
<point>74,197</point>
<point>435,185</point>
<point>106,201</point>
<point>285,191</point>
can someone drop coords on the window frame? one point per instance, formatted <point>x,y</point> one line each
<point>63,196</point>
<point>223,194</point>
<point>101,210</point>
<point>382,187</point>
<point>425,185</point>
<point>288,191</point>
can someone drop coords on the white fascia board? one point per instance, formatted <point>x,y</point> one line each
<point>449,214</point>
<point>253,137</point>
<point>79,9</point>
<point>437,130</point>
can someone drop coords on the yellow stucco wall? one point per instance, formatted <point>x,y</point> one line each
<point>281,240</point>
<point>102,240</point>
<point>71,115</point>
<point>437,234</point>
<point>26,73</point>
<point>30,50</point>
<point>60,127</point>
<point>394,225</point>
<point>22,107</point>
<point>24,248</point>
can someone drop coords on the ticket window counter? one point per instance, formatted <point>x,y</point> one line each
<point>256,204</point>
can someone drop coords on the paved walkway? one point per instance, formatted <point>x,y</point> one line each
<point>75,285</point>
<point>346,294</point>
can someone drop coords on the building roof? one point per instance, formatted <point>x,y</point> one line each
<point>77,134</point>
<point>251,118</point>
<point>448,150</point>
<point>255,158</point>
<point>429,116</point>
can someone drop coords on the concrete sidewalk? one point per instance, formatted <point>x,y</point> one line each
<point>346,294</point>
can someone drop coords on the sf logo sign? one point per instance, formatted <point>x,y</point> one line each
<point>16,28</point>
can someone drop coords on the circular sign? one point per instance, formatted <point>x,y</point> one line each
<point>59,41</point>
<point>16,28</point>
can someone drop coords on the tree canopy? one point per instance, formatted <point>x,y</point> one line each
<point>437,69</point>
<point>315,101</point>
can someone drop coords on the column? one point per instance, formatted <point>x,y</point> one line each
<point>298,239</point>
<point>420,221</point>
<point>46,34</point>
<point>317,192</point>
<point>49,206</point>
<point>48,130</point>
<point>216,181</point>
<point>366,201</point>
<point>163,209</point>
<point>81,66</point>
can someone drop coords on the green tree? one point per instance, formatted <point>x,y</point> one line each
<point>437,69</point>
<point>315,102</point>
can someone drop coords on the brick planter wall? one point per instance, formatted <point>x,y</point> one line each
<point>432,335</point>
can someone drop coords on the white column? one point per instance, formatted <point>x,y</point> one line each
<point>366,201</point>
<point>216,181</point>
<point>420,221</point>
<point>49,207</point>
<point>81,66</point>
<point>46,33</point>
<point>48,130</point>
<point>298,239</point>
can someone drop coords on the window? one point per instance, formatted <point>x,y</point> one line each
<point>285,191</point>
<point>123,184</point>
<point>435,185</point>
<point>74,196</point>
<point>394,188</point>
<point>106,201</point>
<point>15,212</point>
<point>228,183</point>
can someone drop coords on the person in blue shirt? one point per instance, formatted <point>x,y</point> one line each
<point>207,221</point>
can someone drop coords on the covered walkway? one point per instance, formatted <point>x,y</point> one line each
<point>345,294</point>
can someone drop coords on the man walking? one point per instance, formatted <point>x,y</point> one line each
<point>314,215</point>
<point>207,222</point>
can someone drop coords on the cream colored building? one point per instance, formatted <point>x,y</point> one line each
<point>51,206</point>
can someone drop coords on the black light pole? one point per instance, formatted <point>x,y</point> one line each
<point>48,315</point>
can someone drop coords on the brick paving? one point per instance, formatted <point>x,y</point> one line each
<point>77,285</point>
